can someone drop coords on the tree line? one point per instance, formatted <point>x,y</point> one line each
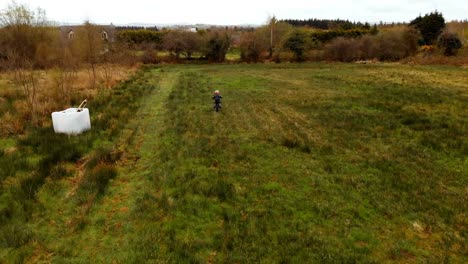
<point>326,24</point>
<point>120,28</point>
<point>276,40</point>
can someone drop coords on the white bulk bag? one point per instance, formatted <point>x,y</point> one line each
<point>71,121</point>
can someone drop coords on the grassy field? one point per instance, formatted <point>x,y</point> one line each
<point>306,163</point>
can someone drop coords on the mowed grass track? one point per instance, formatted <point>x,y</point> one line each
<point>306,163</point>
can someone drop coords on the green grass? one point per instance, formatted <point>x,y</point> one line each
<point>321,163</point>
<point>233,54</point>
<point>41,161</point>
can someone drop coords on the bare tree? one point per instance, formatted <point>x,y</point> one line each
<point>174,42</point>
<point>90,46</point>
<point>65,74</point>
<point>271,23</point>
<point>252,46</point>
<point>273,35</point>
<point>191,43</point>
<point>24,31</point>
<point>108,56</point>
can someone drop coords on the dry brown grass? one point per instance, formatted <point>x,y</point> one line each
<point>15,115</point>
<point>460,28</point>
<point>10,125</point>
<point>438,58</point>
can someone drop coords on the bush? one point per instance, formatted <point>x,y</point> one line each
<point>367,48</point>
<point>389,47</point>
<point>216,46</point>
<point>149,57</point>
<point>327,36</point>
<point>450,42</point>
<point>386,46</point>
<point>140,36</point>
<point>251,47</point>
<point>396,45</point>
<point>297,43</point>
<point>342,49</point>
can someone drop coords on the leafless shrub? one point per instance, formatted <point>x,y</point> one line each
<point>149,57</point>
<point>342,49</point>
<point>25,33</point>
<point>387,46</point>
<point>89,46</point>
<point>252,45</point>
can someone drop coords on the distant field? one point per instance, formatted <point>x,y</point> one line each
<point>321,163</point>
<point>233,54</point>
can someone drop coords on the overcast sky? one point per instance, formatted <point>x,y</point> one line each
<point>236,12</point>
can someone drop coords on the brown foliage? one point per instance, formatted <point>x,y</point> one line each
<point>149,57</point>
<point>390,45</point>
<point>173,42</point>
<point>25,39</point>
<point>252,45</point>
<point>438,58</point>
<point>45,68</point>
<point>342,49</point>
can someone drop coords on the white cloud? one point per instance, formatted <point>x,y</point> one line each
<point>240,11</point>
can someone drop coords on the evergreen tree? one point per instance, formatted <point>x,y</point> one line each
<point>217,46</point>
<point>430,26</point>
<point>374,30</point>
<point>297,43</point>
